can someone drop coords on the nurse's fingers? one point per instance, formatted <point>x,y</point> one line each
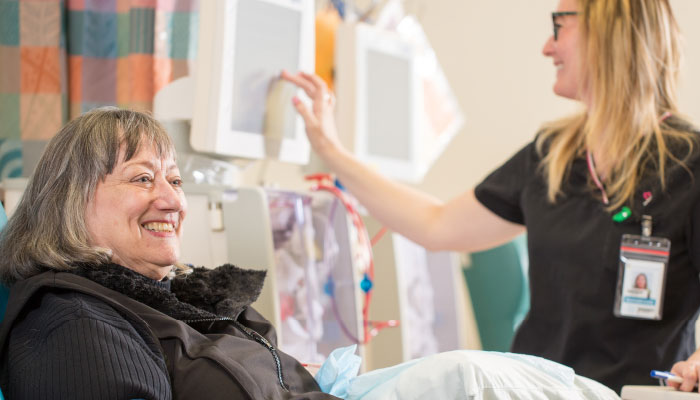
<point>690,378</point>
<point>310,119</point>
<point>689,372</point>
<point>301,81</point>
<point>322,99</point>
<point>319,83</point>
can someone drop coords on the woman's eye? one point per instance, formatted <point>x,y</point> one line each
<point>143,179</point>
<point>177,182</point>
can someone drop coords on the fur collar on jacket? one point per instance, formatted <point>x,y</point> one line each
<point>205,293</point>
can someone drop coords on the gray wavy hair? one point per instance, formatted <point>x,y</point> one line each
<point>48,230</point>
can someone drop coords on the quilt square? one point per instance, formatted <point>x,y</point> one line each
<point>10,75</point>
<point>141,85</point>
<point>102,6</point>
<point>77,5</point>
<point>41,116</point>
<point>9,23</point>
<point>40,70</point>
<point>183,35</point>
<point>75,78</point>
<point>75,30</point>
<point>99,80</point>
<point>141,27</point>
<point>9,115</point>
<point>100,35</point>
<point>40,24</point>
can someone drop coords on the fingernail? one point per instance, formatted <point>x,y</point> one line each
<point>295,100</point>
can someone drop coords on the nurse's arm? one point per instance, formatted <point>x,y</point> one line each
<point>462,224</point>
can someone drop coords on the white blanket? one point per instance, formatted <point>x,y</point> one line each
<point>476,375</point>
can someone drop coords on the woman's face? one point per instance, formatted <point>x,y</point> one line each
<point>640,282</point>
<point>137,212</point>
<point>565,52</point>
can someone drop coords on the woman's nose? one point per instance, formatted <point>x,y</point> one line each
<point>548,49</point>
<point>168,197</point>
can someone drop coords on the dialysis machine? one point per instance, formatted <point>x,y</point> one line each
<point>311,292</point>
<point>315,290</point>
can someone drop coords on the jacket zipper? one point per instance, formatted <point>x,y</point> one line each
<point>255,336</point>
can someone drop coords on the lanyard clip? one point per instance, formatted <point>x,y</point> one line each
<point>646,225</point>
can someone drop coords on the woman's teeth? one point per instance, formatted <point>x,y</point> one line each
<point>159,227</point>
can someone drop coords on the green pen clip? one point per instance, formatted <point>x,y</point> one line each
<point>624,213</point>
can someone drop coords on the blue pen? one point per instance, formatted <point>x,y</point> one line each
<point>666,375</point>
<point>669,377</point>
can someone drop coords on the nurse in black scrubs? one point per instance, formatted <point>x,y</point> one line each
<point>582,189</point>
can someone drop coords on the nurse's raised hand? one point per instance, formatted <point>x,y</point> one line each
<point>690,372</point>
<point>320,122</point>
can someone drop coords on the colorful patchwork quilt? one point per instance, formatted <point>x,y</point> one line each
<point>60,58</point>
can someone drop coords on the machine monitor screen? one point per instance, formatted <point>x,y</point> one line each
<point>243,46</point>
<point>396,110</point>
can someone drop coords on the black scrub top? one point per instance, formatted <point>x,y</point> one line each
<point>574,250</point>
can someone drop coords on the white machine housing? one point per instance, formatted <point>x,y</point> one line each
<point>243,47</point>
<point>395,109</point>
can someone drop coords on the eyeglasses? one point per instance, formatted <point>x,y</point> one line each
<point>555,25</point>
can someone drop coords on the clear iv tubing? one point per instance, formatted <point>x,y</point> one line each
<point>329,258</point>
<point>329,261</point>
<point>363,238</point>
<point>376,325</point>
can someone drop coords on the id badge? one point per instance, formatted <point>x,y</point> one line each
<point>641,278</point>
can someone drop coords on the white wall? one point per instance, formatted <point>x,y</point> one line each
<point>687,12</point>
<point>491,52</point>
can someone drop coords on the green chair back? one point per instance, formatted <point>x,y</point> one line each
<point>500,295</point>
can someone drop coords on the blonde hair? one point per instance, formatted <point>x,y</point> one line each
<point>48,230</point>
<point>630,57</point>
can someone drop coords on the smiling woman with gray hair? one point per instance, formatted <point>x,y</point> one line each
<point>99,306</point>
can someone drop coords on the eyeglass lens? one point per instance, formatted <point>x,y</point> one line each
<point>555,25</point>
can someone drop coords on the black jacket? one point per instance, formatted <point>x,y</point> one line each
<point>109,332</point>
